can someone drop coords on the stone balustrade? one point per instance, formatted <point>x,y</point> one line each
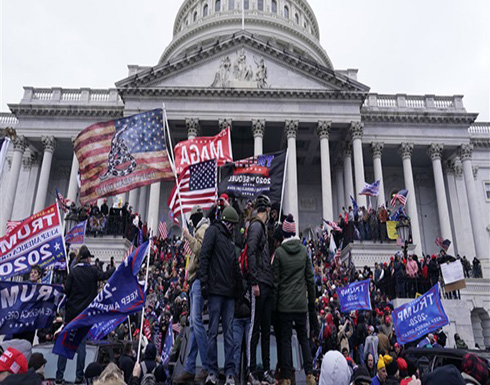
<point>479,129</point>
<point>82,96</point>
<point>8,120</point>
<point>414,102</point>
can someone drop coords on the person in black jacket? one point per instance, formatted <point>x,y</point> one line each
<point>220,277</point>
<point>261,279</point>
<point>126,361</point>
<point>81,288</point>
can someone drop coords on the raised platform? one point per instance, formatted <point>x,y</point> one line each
<point>367,253</point>
<point>106,247</point>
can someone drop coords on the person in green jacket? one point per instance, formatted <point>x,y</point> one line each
<point>293,295</point>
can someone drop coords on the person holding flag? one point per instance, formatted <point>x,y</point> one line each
<point>198,337</point>
<point>81,288</point>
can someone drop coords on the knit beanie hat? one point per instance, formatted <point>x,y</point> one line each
<point>392,367</point>
<point>385,361</point>
<point>289,227</point>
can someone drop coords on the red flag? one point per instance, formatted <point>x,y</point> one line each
<point>147,329</point>
<point>202,149</point>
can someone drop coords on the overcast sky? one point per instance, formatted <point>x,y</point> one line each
<point>399,46</point>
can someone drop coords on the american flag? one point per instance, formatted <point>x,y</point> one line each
<point>371,189</point>
<point>187,248</point>
<point>197,185</point>
<point>11,225</point>
<point>121,155</point>
<point>63,205</point>
<point>443,243</point>
<point>162,230</point>
<point>400,196</point>
<point>337,256</point>
<point>333,225</point>
<point>176,327</point>
<point>128,253</point>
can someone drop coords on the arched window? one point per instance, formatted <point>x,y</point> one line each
<point>246,4</point>
<point>296,18</point>
<point>205,10</point>
<point>286,12</point>
<point>217,7</point>
<point>274,6</point>
<point>195,16</point>
<point>231,5</point>
<point>305,25</point>
<point>260,5</point>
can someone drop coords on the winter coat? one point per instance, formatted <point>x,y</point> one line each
<point>345,332</point>
<point>335,370</point>
<point>126,364</point>
<point>447,375</point>
<point>81,288</point>
<point>219,271</point>
<point>195,243</point>
<point>293,278</point>
<point>258,256</point>
<point>391,380</point>
<point>29,378</point>
<point>412,268</point>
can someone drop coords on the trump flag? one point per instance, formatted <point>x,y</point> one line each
<point>120,297</point>
<point>37,240</point>
<point>121,155</point>
<point>354,296</point>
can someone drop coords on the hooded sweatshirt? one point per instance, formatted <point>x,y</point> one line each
<point>335,370</point>
<point>293,278</point>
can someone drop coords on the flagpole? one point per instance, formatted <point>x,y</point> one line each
<point>130,332</point>
<point>172,164</point>
<point>63,237</point>
<point>284,184</point>
<point>144,305</point>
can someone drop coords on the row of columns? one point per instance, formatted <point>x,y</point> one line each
<point>344,174</point>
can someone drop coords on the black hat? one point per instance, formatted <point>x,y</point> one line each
<point>85,254</point>
<point>361,374</point>
<point>36,361</point>
<point>93,370</point>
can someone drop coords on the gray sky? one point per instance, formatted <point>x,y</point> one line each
<point>399,46</point>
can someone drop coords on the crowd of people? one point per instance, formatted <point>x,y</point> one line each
<point>251,272</point>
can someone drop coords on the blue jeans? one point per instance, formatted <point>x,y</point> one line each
<point>199,340</point>
<point>81,353</point>
<point>224,307</point>
<point>241,327</point>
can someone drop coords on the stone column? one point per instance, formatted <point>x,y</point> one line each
<point>225,122</point>
<point>356,131</point>
<point>323,130</point>
<point>154,207</point>
<point>49,143</point>
<point>377,152</point>
<point>455,212</point>
<point>193,128</point>
<point>468,246</point>
<point>19,148</point>
<point>133,199</point>
<point>142,202</point>
<point>258,131</point>
<point>291,129</point>
<point>73,183</point>
<point>348,182</point>
<point>465,152</point>
<point>435,154</point>
<point>339,181</point>
<point>406,150</point>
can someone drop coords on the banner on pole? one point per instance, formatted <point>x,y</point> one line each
<point>27,306</point>
<point>76,236</point>
<point>251,177</point>
<point>354,296</point>
<point>419,317</point>
<point>38,240</point>
<point>203,148</point>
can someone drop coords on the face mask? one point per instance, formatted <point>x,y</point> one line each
<point>229,226</point>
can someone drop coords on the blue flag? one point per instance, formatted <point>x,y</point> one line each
<point>354,296</point>
<point>421,316</point>
<point>121,296</point>
<point>27,306</point>
<point>77,234</point>
<point>318,352</point>
<point>167,345</point>
<point>371,189</point>
<point>355,207</point>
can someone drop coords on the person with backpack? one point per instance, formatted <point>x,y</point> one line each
<point>198,338</point>
<point>292,296</point>
<point>221,284</point>
<point>261,281</point>
<point>151,371</point>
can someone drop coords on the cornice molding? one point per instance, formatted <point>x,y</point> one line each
<point>422,117</point>
<point>66,111</point>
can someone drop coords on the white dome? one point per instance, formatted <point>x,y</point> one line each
<point>289,23</point>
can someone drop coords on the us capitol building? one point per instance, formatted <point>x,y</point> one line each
<point>277,88</point>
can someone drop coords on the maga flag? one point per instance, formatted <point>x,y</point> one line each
<point>77,234</point>
<point>371,189</point>
<point>121,155</point>
<point>121,296</point>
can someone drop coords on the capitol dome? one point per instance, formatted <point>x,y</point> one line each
<point>289,24</point>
